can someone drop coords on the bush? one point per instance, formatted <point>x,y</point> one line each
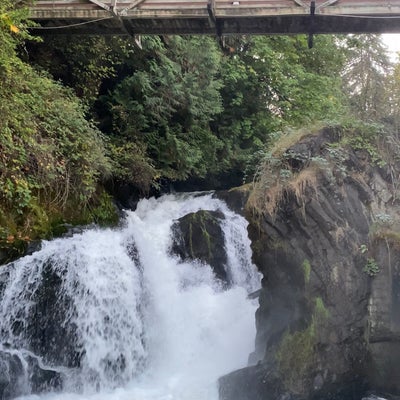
<point>51,157</point>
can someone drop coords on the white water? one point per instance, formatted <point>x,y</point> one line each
<point>174,326</point>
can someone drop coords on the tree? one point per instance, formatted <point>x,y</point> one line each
<point>51,157</point>
<point>273,81</point>
<point>365,74</point>
<point>83,63</point>
<point>166,103</point>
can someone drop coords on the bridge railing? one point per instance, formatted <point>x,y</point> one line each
<point>231,16</point>
<point>226,7</point>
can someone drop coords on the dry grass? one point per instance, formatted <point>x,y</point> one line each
<point>307,178</point>
<point>290,138</point>
<point>276,180</point>
<point>267,197</point>
<point>390,236</point>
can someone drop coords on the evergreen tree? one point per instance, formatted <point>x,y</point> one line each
<point>364,76</point>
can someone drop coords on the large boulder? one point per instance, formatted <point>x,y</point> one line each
<point>199,236</point>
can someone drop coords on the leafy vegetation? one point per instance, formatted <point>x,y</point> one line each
<point>51,157</point>
<point>371,268</point>
<point>306,270</point>
<point>179,109</point>
<point>192,110</point>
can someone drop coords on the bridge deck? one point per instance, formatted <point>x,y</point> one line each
<point>216,16</point>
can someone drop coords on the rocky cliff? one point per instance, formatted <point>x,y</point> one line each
<point>325,233</point>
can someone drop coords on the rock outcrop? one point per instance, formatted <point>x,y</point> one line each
<point>328,325</point>
<point>21,374</point>
<point>198,236</point>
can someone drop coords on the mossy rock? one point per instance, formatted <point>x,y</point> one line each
<point>198,236</point>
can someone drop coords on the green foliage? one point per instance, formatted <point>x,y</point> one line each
<point>165,107</point>
<point>306,270</point>
<point>131,164</point>
<point>384,219</point>
<point>296,353</point>
<point>295,358</point>
<point>102,210</point>
<point>365,76</point>
<point>371,268</point>
<point>50,156</point>
<point>13,32</point>
<point>81,62</point>
<point>321,313</point>
<point>190,109</point>
<point>272,82</point>
<point>365,136</point>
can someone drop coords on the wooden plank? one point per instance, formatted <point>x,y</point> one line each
<point>134,4</point>
<point>236,15</point>
<point>301,3</point>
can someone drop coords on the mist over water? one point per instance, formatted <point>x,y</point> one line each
<point>147,326</point>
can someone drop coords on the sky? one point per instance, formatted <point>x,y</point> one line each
<point>392,40</point>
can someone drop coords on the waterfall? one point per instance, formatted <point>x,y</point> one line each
<point>112,314</point>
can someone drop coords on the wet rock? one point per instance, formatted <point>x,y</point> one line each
<point>198,236</point>
<point>21,375</point>
<point>252,383</point>
<point>235,198</point>
<point>49,329</point>
<point>42,379</point>
<point>12,382</point>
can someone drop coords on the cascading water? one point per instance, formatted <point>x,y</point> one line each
<point>111,314</point>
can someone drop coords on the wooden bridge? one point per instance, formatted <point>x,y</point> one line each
<point>219,17</point>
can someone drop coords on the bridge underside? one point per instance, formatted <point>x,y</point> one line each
<point>216,17</point>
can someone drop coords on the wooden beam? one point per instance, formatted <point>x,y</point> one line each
<point>326,4</point>
<point>113,7</point>
<point>132,5</point>
<point>100,4</point>
<point>211,12</point>
<point>301,3</point>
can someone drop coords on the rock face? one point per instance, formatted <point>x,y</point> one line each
<point>46,328</point>
<point>328,325</point>
<point>50,339</point>
<point>21,375</point>
<point>53,338</point>
<point>198,236</point>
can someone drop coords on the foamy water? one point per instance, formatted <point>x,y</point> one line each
<point>168,326</point>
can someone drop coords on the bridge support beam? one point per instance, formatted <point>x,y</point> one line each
<point>132,5</point>
<point>100,4</point>
<point>214,23</point>
<point>312,25</point>
<point>326,4</point>
<point>301,3</point>
<point>119,17</point>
